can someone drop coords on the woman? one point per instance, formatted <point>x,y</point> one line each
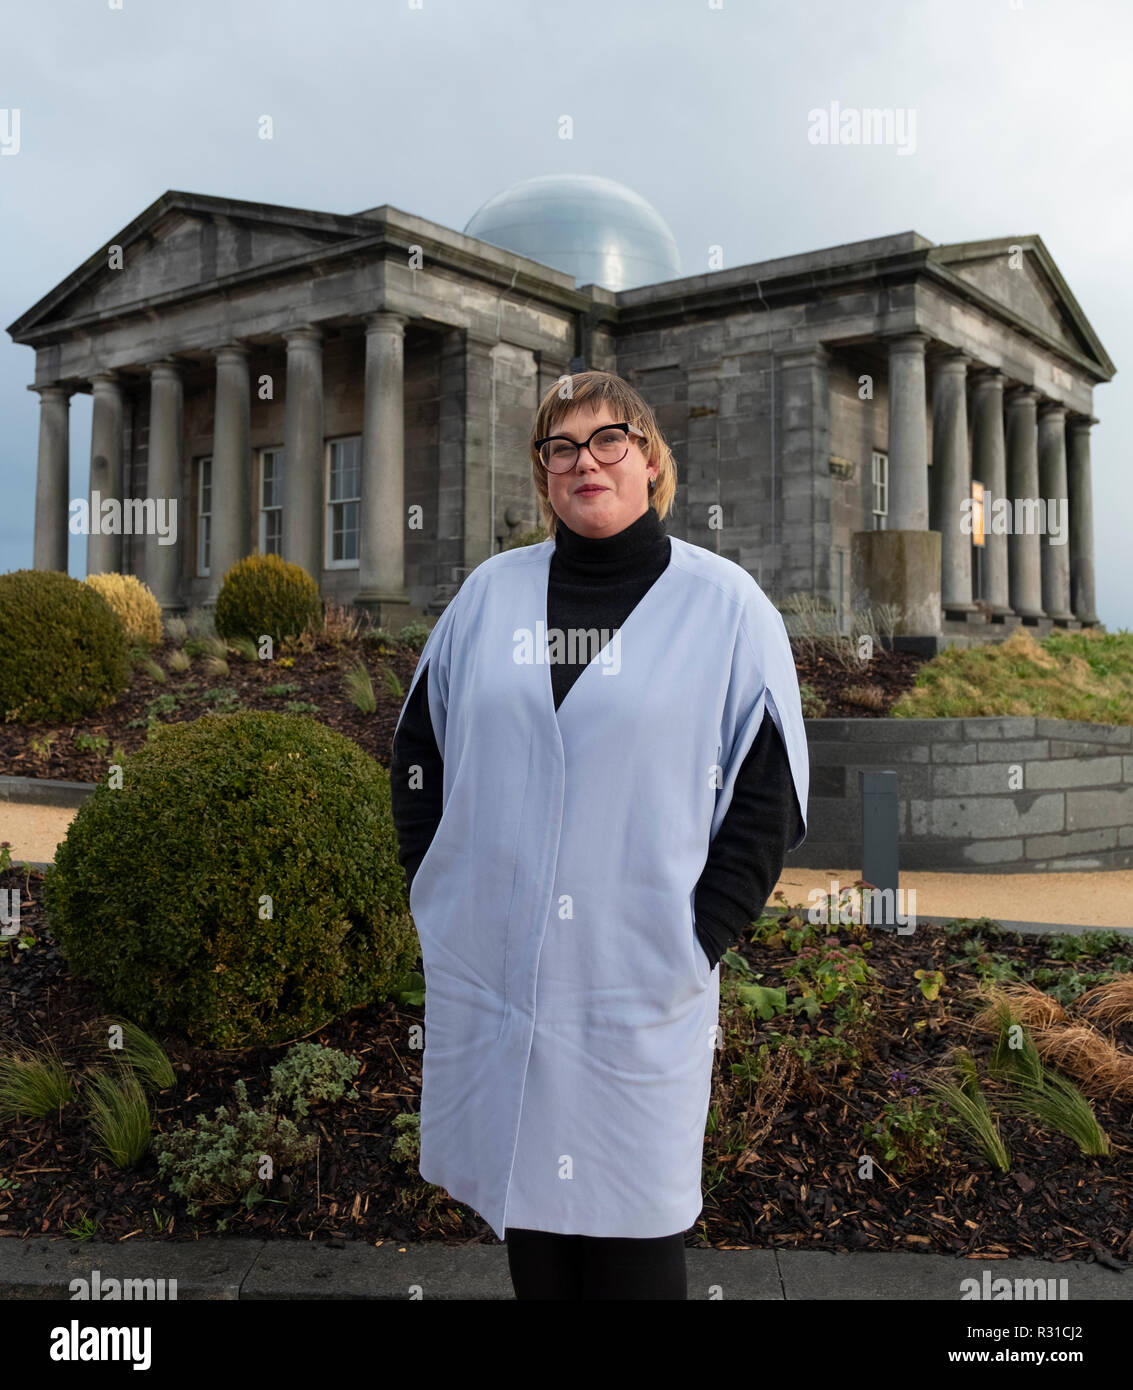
<point>599,767</point>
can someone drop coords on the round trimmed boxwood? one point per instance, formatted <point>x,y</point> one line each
<point>266,594</point>
<point>63,649</point>
<point>241,887</point>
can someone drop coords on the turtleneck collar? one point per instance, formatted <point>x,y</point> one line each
<point>625,552</point>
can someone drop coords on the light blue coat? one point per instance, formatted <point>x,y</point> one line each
<point>570,1013</point>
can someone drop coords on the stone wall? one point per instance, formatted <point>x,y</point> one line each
<point>976,795</point>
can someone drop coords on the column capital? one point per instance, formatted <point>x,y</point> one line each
<point>385,321</point>
<point>53,390</point>
<point>303,334</point>
<point>164,368</point>
<point>954,360</point>
<point>912,341</point>
<point>231,352</point>
<point>1022,395</point>
<point>1082,422</point>
<point>106,380</point>
<point>987,379</point>
<point>1047,408</point>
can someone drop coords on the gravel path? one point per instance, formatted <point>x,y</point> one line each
<point>1098,898</point>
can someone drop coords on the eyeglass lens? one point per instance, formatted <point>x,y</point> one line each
<point>608,446</point>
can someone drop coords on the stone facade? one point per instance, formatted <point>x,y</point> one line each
<point>384,371</point>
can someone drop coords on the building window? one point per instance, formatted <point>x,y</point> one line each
<point>880,471</point>
<point>271,501</point>
<point>344,502</point>
<point>204,514</point>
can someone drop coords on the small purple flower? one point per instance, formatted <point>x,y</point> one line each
<point>897,1076</point>
<point>913,1091</point>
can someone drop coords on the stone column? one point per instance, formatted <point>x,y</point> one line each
<point>1023,562</point>
<point>1082,598</point>
<point>1052,487</point>
<point>908,434</point>
<point>989,466</point>
<point>381,542</point>
<point>953,480</point>
<point>231,465</point>
<point>164,477</point>
<point>52,479</point>
<point>104,550</point>
<point>303,451</point>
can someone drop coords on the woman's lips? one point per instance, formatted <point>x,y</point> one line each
<point>588,491</point>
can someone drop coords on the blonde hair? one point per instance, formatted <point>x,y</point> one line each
<point>596,389</point>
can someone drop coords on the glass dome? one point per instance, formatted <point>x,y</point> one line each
<point>593,228</point>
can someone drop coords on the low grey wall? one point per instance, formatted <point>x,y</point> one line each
<point>956,806</point>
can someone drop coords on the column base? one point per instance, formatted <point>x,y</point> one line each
<point>1000,613</point>
<point>385,608</point>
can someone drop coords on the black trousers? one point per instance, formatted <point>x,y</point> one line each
<point>547,1265</point>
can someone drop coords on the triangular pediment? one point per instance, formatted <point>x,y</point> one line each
<point>1020,275</point>
<point>185,242</point>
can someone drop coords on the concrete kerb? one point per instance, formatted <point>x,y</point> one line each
<point>233,1268</point>
<point>238,1268</point>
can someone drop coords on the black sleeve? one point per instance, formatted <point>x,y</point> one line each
<point>416,810</point>
<point>746,857</point>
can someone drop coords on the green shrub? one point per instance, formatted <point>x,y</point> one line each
<point>217,1161</point>
<point>264,594</point>
<point>242,887</point>
<point>63,649</point>
<point>414,635</point>
<point>310,1072</point>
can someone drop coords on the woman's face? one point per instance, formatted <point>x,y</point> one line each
<point>596,499</point>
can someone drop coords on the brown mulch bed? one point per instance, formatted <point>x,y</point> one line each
<point>797,1187</point>
<point>319,678</point>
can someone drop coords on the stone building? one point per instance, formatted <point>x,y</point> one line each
<point>356,393</point>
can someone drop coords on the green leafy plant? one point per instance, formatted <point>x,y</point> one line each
<point>414,635</point>
<point>91,743</point>
<point>406,1148</point>
<point>910,1133</point>
<point>310,1072</point>
<point>412,989</point>
<point>930,983</point>
<point>218,1160</point>
<point>119,1115</point>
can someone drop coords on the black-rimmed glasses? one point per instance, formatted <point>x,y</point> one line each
<point>608,444</point>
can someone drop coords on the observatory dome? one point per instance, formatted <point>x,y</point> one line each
<point>593,228</point>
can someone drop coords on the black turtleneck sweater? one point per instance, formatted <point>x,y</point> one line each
<point>598,583</point>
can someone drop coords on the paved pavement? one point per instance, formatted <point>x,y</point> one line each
<point>237,1268</point>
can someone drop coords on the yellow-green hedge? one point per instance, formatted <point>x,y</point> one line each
<point>134,603</point>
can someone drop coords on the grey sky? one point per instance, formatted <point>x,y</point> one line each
<point>1023,111</point>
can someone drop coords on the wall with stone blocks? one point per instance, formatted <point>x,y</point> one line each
<point>956,810</point>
